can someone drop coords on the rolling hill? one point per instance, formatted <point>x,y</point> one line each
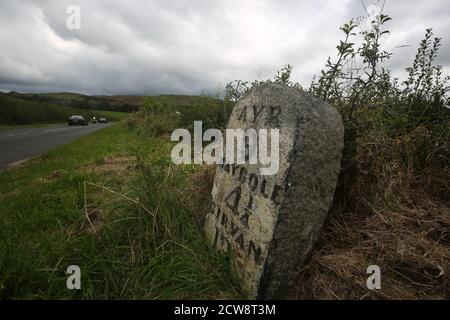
<point>16,111</point>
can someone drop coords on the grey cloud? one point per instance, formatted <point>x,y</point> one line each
<point>184,47</point>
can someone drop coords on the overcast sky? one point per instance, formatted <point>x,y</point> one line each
<point>189,46</point>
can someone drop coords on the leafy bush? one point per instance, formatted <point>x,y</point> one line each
<point>159,116</point>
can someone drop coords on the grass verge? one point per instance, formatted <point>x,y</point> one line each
<point>114,206</point>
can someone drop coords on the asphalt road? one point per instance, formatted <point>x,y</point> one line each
<point>19,144</point>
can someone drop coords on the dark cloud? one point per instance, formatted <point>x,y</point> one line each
<point>173,46</point>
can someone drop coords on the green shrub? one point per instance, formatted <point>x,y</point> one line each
<point>159,116</point>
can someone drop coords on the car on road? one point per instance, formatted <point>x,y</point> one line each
<point>78,120</point>
<point>102,120</point>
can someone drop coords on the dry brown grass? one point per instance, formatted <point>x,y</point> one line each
<point>114,164</point>
<point>99,199</point>
<point>116,167</point>
<point>197,194</point>
<point>391,212</point>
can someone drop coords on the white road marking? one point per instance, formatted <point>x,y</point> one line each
<point>52,130</point>
<point>14,134</point>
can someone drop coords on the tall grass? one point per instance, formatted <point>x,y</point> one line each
<point>111,204</point>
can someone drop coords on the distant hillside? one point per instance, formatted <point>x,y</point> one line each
<point>75,100</point>
<point>26,108</point>
<point>180,101</point>
<point>15,111</point>
<point>128,103</point>
<point>124,103</point>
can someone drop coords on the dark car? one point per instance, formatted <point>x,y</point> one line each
<point>78,121</point>
<point>102,120</point>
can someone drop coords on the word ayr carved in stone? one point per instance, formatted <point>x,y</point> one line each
<point>270,222</point>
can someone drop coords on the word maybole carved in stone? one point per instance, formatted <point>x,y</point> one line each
<point>270,222</point>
